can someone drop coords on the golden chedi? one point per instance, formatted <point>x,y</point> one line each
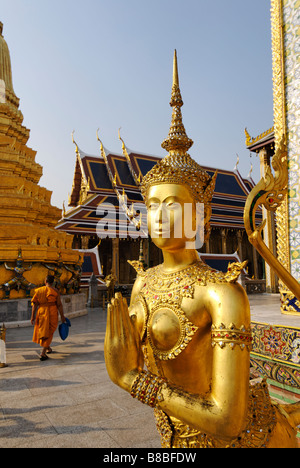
<point>183,345</point>
<point>27,219</point>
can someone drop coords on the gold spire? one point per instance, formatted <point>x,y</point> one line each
<point>177,141</point>
<point>6,82</point>
<point>175,70</point>
<point>5,64</point>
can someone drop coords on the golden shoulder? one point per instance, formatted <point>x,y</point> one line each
<point>138,266</point>
<point>199,273</point>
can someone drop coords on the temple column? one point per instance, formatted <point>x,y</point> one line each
<point>255,265</point>
<point>223,236</point>
<point>269,229</point>
<point>115,258</point>
<point>145,250</point>
<point>85,242</point>
<point>207,246</point>
<point>239,236</point>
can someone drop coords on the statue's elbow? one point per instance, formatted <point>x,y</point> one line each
<point>233,425</point>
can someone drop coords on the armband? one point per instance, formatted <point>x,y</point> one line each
<point>146,388</point>
<point>231,336</point>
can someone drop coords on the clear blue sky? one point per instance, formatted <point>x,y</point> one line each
<point>79,65</point>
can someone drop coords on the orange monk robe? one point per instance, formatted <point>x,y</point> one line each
<point>46,321</point>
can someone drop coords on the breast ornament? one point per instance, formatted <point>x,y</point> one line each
<point>161,298</point>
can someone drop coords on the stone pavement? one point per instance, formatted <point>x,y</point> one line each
<point>265,308</point>
<point>69,401</point>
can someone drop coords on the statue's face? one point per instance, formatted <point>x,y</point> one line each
<point>171,216</point>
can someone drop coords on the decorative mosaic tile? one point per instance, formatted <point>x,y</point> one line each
<point>279,343</point>
<point>288,376</point>
<point>291,17</point>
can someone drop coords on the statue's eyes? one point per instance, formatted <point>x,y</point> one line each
<point>173,205</point>
<point>153,206</point>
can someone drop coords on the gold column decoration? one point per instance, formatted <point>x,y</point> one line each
<point>279,109</point>
<point>272,191</point>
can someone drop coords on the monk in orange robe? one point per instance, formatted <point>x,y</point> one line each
<point>47,303</point>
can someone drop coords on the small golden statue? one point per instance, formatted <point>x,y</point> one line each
<point>189,325</point>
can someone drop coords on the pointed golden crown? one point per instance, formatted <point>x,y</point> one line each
<point>178,167</point>
<point>177,139</point>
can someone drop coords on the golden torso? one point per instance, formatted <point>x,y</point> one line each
<point>170,311</point>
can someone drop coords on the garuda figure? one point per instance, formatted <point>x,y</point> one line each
<point>18,281</point>
<point>183,346</point>
<point>74,281</point>
<point>57,272</point>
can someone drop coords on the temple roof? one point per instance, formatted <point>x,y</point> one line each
<point>102,181</point>
<point>264,139</point>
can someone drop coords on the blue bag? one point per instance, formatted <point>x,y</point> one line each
<point>63,329</point>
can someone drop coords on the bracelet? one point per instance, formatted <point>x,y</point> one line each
<point>231,336</point>
<point>146,388</point>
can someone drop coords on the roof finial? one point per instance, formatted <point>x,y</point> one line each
<point>175,70</point>
<point>76,146</point>
<point>177,141</point>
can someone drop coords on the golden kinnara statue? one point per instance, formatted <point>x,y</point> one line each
<point>183,346</point>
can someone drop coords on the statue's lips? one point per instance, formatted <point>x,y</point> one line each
<point>161,232</point>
